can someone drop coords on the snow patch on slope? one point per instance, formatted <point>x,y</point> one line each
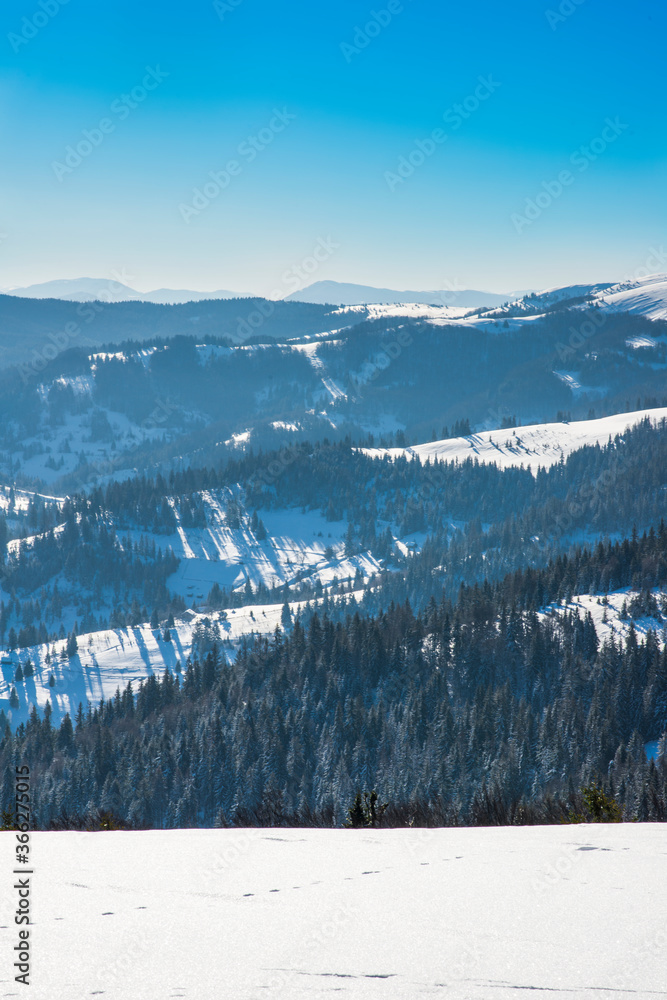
<point>533,446</point>
<point>645,297</point>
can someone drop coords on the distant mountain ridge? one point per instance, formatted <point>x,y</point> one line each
<point>108,290</point>
<point>319,293</point>
<point>350,294</point>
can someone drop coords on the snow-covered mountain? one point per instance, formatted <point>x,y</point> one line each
<point>643,297</point>
<point>534,446</point>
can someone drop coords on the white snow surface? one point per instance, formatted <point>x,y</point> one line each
<point>575,912</point>
<point>608,618</point>
<point>412,310</point>
<point>643,296</point>
<point>533,446</point>
<point>295,550</point>
<point>113,658</point>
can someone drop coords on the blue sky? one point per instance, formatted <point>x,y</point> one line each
<point>339,104</point>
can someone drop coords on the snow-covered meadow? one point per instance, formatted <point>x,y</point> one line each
<point>113,658</point>
<point>533,446</point>
<point>300,546</point>
<point>572,911</point>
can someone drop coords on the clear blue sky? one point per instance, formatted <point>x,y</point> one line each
<point>360,102</point>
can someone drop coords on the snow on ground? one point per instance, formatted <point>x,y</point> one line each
<point>280,425</point>
<point>571,380</point>
<point>577,912</point>
<point>310,348</point>
<point>411,310</point>
<point>111,659</point>
<point>240,439</point>
<point>295,550</point>
<point>16,544</point>
<point>23,499</point>
<point>68,441</point>
<point>212,352</point>
<point>533,446</point>
<point>636,342</point>
<point>608,619</point>
<point>612,624</point>
<point>106,661</point>
<point>644,296</point>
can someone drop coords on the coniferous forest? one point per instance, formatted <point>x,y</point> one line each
<point>478,710</point>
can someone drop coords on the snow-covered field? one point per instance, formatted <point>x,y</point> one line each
<point>576,912</point>
<point>300,546</point>
<point>608,618</point>
<point>644,297</point>
<point>411,310</point>
<point>110,659</point>
<point>531,446</point>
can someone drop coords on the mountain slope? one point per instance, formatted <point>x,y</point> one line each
<point>539,445</point>
<point>643,297</point>
<point>349,294</point>
<point>35,331</point>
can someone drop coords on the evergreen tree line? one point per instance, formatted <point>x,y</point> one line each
<point>479,710</point>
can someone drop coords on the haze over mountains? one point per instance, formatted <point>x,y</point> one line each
<point>321,292</point>
<point>110,290</point>
<point>349,294</point>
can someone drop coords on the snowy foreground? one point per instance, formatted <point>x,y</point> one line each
<point>574,911</point>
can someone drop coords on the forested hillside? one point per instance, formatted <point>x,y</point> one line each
<point>473,711</point>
